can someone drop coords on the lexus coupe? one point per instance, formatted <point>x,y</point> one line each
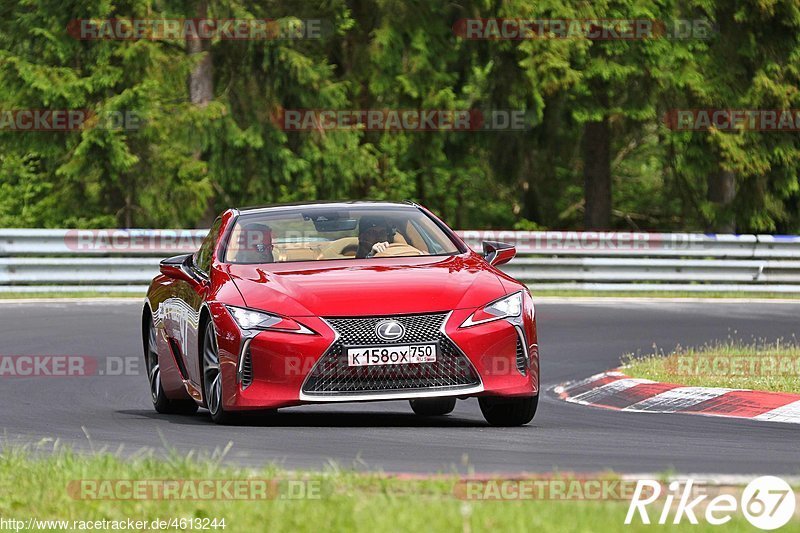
<point>340,302</point>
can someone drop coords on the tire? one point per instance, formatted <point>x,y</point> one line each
<point>499,411</point>
<point>433,406</point>
<point>212,378</point>
<point>161,403</point>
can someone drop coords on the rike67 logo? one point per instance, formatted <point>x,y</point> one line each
<point>767,502</point>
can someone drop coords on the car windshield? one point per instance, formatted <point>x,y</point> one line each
<point>321,233</point>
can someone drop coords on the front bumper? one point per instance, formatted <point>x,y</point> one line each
<point>278,365</point>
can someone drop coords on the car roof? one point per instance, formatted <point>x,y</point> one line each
<point>331,204</point>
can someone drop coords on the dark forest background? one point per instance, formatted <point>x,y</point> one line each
<point>596,154</point>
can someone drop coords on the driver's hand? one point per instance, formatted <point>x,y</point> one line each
<point>379,247</point>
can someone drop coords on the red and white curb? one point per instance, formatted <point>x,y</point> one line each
<point>615,390</point>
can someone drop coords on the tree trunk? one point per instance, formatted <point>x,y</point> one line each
<point>597,174</point>
<point>201,81</point>
<point>201,92</point>
<point>722,191</point>
<point>421,196</point>
<point>531,203</point>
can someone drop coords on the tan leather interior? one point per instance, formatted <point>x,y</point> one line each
<point>336,249</point>
<point>313,251</point>
<point>298,251</point>
<point>339,248</point>
<point>399,250</point>
<point>415,238</point>
<point>237,251</point>
<point>399,239</point>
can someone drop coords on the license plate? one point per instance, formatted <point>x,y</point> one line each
<point>402,354</point>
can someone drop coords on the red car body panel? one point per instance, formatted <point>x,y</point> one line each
<point>401,285</point>
<point>311,291</point>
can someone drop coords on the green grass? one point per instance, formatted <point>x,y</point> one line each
<point>34,483</point>
<point>756,365</point>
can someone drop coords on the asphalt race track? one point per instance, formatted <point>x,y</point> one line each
<point>577,340</point>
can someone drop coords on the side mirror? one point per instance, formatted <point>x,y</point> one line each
<point>498,253</point>
<point>178,267</point>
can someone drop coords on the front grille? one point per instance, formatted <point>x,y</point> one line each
<point>332,374</point>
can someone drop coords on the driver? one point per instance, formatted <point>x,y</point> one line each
<point>256,244</point>
<point>374,235</point>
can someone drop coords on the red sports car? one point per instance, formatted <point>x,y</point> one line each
<point>340,302</point>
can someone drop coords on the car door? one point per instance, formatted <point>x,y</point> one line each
<point>194,295</point>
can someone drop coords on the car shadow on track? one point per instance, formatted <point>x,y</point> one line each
<point>333,419</point>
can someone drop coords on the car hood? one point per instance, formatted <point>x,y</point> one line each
<point>368,287</point>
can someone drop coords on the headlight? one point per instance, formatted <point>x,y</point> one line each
<point>249,319</point>
<point>506,307</point>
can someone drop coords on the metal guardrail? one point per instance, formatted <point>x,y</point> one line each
<point>34,260</point>
<point>111,242</point>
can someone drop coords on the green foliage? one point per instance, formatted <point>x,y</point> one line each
<point>187,162</point>
<point>48,482</point>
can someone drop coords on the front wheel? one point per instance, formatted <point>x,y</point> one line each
<point>499,411</point>
<point>212,378</point>
<point>433,406</point>
<point>161,403</point>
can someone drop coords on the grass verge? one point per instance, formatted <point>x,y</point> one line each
<point>38,485</point>
<point>734,364</point>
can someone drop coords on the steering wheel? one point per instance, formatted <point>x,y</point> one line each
<point>398,249</point>
<point>350,250</point>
